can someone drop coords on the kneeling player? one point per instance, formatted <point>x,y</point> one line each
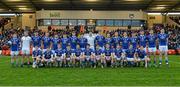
<point>107,56</point>
<point>88,54</point>
<point>130,55</point>
<point>141,56</point>
<point>120,56</point>
<point>98,55</point>
<point>37,57</point>
<point>59,55</point>
<point>48,57</point>
<point>77,56</point>
<point>68,56</point>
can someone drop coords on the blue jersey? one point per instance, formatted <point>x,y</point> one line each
<point>116,40</point>
<point>130,53</point>
<point>65,42</point>
<point>100,40</point>
<point>134,42</point>
<point>46,42</point>
<point>98,52</point>
<point>78,52</point>
<point>142,40</point>
<point>74,41</point>
<point>59,52</point>
<point>15,43</point>
<point>141,54</point>
<point>88,52</point>
<point>68,53</point>
<point>151,40</point>
<point>163,39</point>
<point>107,52</point>
<point>36,53</point>
<point>48,54</point>
<point>55,42</point>
<point>109,41</point>
<point>36,40</point>
<point>118,52</point>
<point>82,42</point>
<point>125,42</point>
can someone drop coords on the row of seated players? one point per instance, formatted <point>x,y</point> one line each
<point>89,57</point>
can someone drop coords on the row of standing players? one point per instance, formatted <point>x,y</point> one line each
<point>129,49</point>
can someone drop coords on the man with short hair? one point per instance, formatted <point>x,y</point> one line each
<point>15,44</point>
<point>26,45</point>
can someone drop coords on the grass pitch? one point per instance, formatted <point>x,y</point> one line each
<point>128,76</point>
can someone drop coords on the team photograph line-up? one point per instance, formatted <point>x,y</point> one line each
<point>90,50</point>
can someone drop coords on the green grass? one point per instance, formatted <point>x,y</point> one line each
<point>138,76</point>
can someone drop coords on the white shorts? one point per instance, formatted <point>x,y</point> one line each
<point>48,60</point>
<point>118,58</point>
<point>98,57</point>
<point>152,49</point>
<point>68,59</point>
<point>88,58</point>
<point>0,52</point>
<point>14,53</point>
<point>77,58</point>
<point>163,48</point>
<point>59,58</point>
<point>130,59</point>
<point>141,59</point>
<point>27,52</point>
<point>108,58</point>
<point>35,49</point>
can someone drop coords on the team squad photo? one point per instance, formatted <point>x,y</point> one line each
<point>90,50</point>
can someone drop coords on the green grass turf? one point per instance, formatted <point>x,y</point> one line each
<point>128,76</point>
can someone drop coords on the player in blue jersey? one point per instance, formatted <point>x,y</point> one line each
<point>98,55</point>
<point>77,55</point>
<point>64,42</point>
<point>130,55</point>
<point>36,40</point>
<point>100,40</point>
<point>37,57</point>
<point>134,40</point>
<point>15,44</point>
<point>54,43</point>
<point>152,39</point>
<point>59,55</point>
<point>119,55</point>
<point>88,56</point>
<point>107,56</point>
<point>68,56</point>
<point>73,41</point>
<point>108,39</point>
<point>163,46</point>
<point>116,39</point>
<point>125,41</point>
<point>82,42</point>
<point>142,40</point>
<point>142,57</point>
<point>46,42</point>
<point>48,58</point>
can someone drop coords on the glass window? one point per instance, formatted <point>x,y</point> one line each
<point>81,22</point>
<point>109,22</point>
<point>64,22</point>
<point>40,22</point>
<point>55,22</point>
<point>126,22</point>
<point>100,22</point>
<point>47,22</point>
<point>118,22</point>
<point>72,22</point>
<point>136,23</point>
